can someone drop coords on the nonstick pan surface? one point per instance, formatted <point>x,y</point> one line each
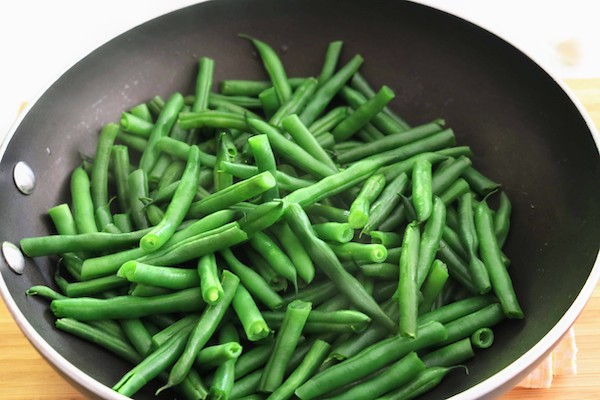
<point>525,130</point>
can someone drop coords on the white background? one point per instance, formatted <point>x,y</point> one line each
<point>39,39</point>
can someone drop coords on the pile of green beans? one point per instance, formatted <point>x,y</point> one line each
<point>317,246</point>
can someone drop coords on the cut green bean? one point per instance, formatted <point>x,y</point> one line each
<point>407,292</point>
<point>491,256</point>
<point>265,161</point>
<point>276,258</point>
<point>286,340</point>
<point>252,281</point>
<point>430,241</point>
<point>162,127</point>
<point>359,252</point>
<point>422,195</point>
<point>252,321</point>
<point>203,331</point>
<point>222,382</point>
<point>334,232</point>
<point>236,87</point>
<point>329,121</point>
<point>204,80</point>
<point>306,139</point>
<point>296,102</point>
<point>83,207</point>
<point>380,270</point>
<point>433,285</point>
<point>370,360</point>
<point>166,277</point>
<point>212,291</point>
<point>359,209</point>
<point>121,167</point>
<point>502,219</point>
<point>295,251</point>
<point>482,338</point>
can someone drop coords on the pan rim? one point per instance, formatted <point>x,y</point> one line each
<point>501,378</point>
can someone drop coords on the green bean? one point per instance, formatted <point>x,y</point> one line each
<point>94,242</point>
<point>265,161</point>
<point>154,214</point>
<point>72,263</point>
<point>63,219</point>
<point>143,290</point>
<point>295,251</point>
<point>138,191</point>
<point>388,239</point>
<point>380,270</point>
<point>391,141</point>
<point>359,252</point>
<point>121,164</point>
<point>166,277</point>
<point>275,257</point>
<point>213,356</point>
<point>204,80</point>
<point>212,119</point>
<point>433,285</point>
<point>197,246</point>
<point>316,293</point>
<point>465,326</point>
<point>422,196</point>
<point>452,218</point>
<point>457,309</point>
<point>178,207</point>
<point>162,127</point>
<point>407,293</point>
<point>253,359</point>
<point>334,232</point>
<point>106,265</point>
<point>425,381</point>
<point>181,150</point>
<point>491,256</point>
<point>432,234</point>
<point>274,69</point>
<point>385,123</point>
<point>454,191</point>
<point>204,329</point>
<point>172,173</point>
<point>270,103</point>
<point>137,334</point>
<point>326,260</point>
<point>328,89</point>
<point>370,360</point>
<point>83,208</point>
<point>388,200</point>
<point>252,281</point>
<point>329,213</point>
<point>329,121</point>
<point>233,87</point>
<point>212,291</point>
<point>363,114</point>
<point>263,217</point>
<point>295,103</point>
<point>449,355</point>
<point>457,267</point>
<point>156,104</point>
<point>133,142</point>
<point>226,151</point>
<point>359,209</point>
<point>141,111</point>
<point>332,56</point>
<point>113,344</point>
<point>222,383</point>
<point>502,219</point>
<point>183,324</point>
<point>325,321</point>
<point>94,286</point>
<point>309,365</point>
<point>44,291</point>
<point>359,83</point>
<point>396,375</point>
<point>239,102</point>
<point>135,125</point>
<point>252,321</point>
<point>151,366</point>
<point>99,176</point>
<point>477,270</point>
<point>295,154</point>
<point>443,178</point>
<point>284,181</point>
<point>478,182</point>
<point>286,340</point>
<point>306,139</point>
<point>240,191</point>
<point>86,309</point>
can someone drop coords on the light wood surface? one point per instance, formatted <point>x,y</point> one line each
<point>25,375</point>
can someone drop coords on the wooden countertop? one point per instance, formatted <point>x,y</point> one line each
<point>25,375</point>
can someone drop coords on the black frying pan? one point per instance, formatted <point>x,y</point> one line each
<point>526,132</point>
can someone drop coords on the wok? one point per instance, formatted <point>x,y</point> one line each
<point>525,129</point>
